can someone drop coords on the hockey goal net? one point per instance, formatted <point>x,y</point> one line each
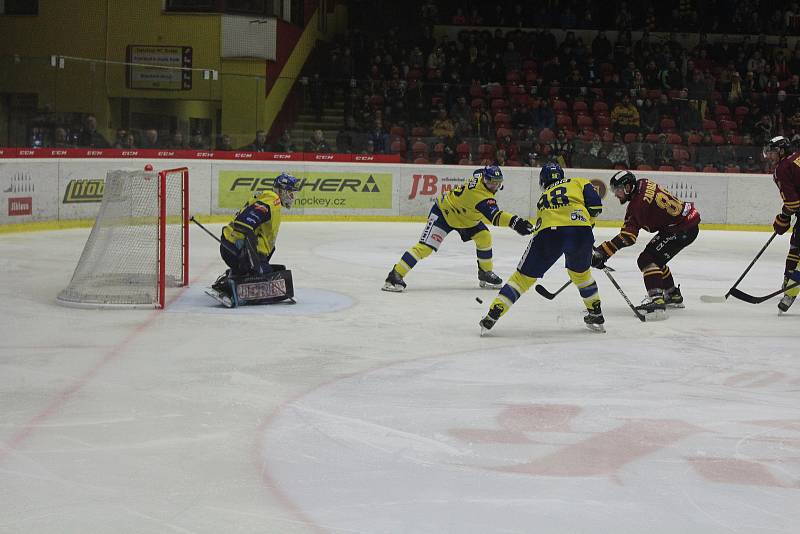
<point>139,244</point>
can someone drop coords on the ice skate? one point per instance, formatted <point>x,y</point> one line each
<point>220,297</point>
<point>394,282</point>
<point>673,298</point>
<point>594,318</point>
<point>785,303</point>
<point>488,279</point>
<point>653,307</point>
<point>491,318</point>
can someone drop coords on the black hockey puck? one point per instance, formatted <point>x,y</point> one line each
<point>479,300</point>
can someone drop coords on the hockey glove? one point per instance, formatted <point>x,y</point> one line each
<point>520,225</point>
<point>781,223</point>
<point>599,258</point>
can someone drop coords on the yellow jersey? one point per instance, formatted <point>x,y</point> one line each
<point>568,202</point>
<point>469,204</point>
<point>260,215</point>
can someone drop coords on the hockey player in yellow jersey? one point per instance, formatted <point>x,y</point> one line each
<point>565,217</point>
<point>248,241</point>
<point>463,209</point>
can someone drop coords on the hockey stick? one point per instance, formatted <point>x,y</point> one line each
<point>636,312</point>
<point>715,298</point>
<point>741,295</point>
<point>218,240</point>
<point>548,295</point>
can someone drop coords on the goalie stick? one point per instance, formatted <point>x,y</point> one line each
<point>636,312</point>
<point>716,299</point>
<point>741,295</point>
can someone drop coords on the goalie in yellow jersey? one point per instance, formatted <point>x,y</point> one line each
<point>463,209</point>
<point>565,217</point>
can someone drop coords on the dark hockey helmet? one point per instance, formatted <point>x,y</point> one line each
<point>620,182</point>
<point>285,186</point>
<point>492,177</point>
<point>779,145</point>
<point>551,172</point>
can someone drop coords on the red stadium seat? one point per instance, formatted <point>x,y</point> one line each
<point>602,121</point>
<point>726,125</point>
<point>629,138</point>
<point>666,168</point>
<point>644,168</point>
<point>710,168</point>
<point>580,106</point>
<point>560,105</point>
<point>496,90</point>
<point>419,131</point>
<point>564,121</point>
<point>546,135</point>
<point>485,150</point>
<point>421,161</point>
<point>584,121</point>
<point>398,146</point>
<point>667,125</point>
<point>599,105</point>
<point>463,149</point>
<point>686,168</point>
<point>397,131</point>
<point>419,149</point>
<point>709,125</point>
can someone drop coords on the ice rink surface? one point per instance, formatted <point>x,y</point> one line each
<point>361,411</point>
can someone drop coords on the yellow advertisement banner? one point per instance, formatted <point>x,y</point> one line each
<point>328,190</point>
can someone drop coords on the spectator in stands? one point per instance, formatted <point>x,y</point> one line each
<point>60,139</point>
<point>641,152</point>
<point>317,143</point>
<point>175,141</point>
<point>618,155</point>
<point>510,147</point>
<point>563,149</point>
<point>130,141</point>
<point>347,138</point>
<point>663,151</point>
<point>689,118</point>
<point>379,137</point>
<point>625,116</point>
<point>543,115</point>
<point>762,130</point>
<point>442,126</point>
<point>460,110</point>
<point>285,143</point>
<point>601,46</point>
<point>198,141</point>
<point>120,137</point>
<point>648,117</point>
<point>259,144</point>
<point>224,143</point>
<point>89,136</point>
<point>150,140</point>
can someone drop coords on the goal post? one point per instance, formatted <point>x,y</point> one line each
<point>139,244</point>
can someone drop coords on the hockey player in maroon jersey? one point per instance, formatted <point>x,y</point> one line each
<point>654,209</point>
<point>787,177</point>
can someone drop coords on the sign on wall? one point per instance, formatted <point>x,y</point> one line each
<point>169,70</point>
<point>342,190</point>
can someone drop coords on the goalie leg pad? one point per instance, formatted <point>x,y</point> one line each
<point>266,288</point>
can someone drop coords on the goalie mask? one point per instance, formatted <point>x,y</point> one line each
<point>623,185</point>
<point>285,186</point>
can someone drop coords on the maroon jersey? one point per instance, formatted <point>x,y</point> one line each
<point>653,209</point>
<point>787,178</point>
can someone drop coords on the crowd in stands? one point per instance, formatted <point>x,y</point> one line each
<point>523,95</point>
<point>509,88</point>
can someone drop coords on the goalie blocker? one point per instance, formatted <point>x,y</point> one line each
<point>268,288</point>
